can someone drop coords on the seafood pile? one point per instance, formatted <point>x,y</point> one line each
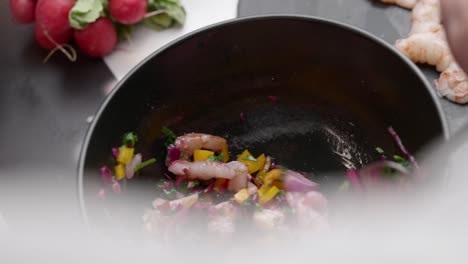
<point>427,43</point>
<point>204,190</point>
<point>223,194</point>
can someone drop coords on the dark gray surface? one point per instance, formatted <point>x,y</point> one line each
<point>384,21</point>
<point>43,112</point>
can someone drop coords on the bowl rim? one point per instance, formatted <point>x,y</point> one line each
<point>363,33</point>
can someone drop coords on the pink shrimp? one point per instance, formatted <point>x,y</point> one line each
<point>311,209</point>
<point>269,219</point>
<point>453,84</point>
<point>427,44</point>
<point>409,4</point>
<point>426,18</point>
<point>426,48</point>
<point>234,171</point>
<point>188,143</point>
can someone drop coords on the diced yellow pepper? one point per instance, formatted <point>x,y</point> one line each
<point>278,184</point>
<point>268,195</point>
<point>261,160</point>
<point>225,153</point>
<point>120,172</point>
<point>252,164</point>
<point>202,155</point>
<point>241,196</point>
<point>271,176</point>
<point>125,155</point>
<point>262,190</point>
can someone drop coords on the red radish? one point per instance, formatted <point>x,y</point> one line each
<point>128,12</point>
<point>97,39</point>
<point>23,10</point>
<point>49,39</point>
<point>52,15</point>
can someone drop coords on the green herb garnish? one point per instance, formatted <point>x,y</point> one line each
<point>171,137</point>
<point>379,150</point>
<point>249,158</point>
<point>129,139</point>
<point>402,161</point>
<point>219,157</point>
<point>144,164</point>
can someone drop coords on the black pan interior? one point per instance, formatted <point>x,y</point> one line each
<point>337,91</point>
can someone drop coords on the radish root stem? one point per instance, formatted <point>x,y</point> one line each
<point>70,53</point>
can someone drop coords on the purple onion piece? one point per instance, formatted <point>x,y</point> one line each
<point>167,186</point>
<point>168,176</point>
<point>209,188</point>
<point>273,99</point>
<point>375,170</point>
<point>116,187</point>
<point>173,154</point>
<point>402,147</point>
<point>180,180</point>
<point>296,182</point>
<point>242,117</point>
<point>102,194</point>
<point>106,175</point>
<point>353,178</point>
<point>115,153</point>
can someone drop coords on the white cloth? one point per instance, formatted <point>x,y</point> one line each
<point>144,41</point>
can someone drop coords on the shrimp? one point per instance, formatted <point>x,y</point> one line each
<point>222,219</point>
<point>427,44</point>
<point>426,48</point>
<point>188,143</point>
<point>426,18</point>
<point>453,84</point>
<point>409,4</point>
<point>234,171</point>
<point>269,219</point>
<point>310,208</point>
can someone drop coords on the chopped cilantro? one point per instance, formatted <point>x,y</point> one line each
<point>379,150</point>
<point>219,157</point>
<point>402,161</point>
<point>250,158</point>
<point>144,164</point>
<point>171,137</point>
<point>129,139</point>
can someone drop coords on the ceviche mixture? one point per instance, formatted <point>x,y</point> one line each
<point>203,179</point>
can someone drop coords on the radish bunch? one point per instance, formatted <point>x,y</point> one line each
<point>94,25</point>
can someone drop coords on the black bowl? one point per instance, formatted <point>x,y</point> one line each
<point>337,88</point>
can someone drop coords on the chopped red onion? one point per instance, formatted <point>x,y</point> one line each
<point>167,185</point>
<point>167,176</point>
<point>242,117</point>
<point>353,178</point>
<point>209,188</point>
<point>180,180</point>
<point>173,154</point>
<point>296,182</point>
<point>106,175</point>
<point>273,99</point>
<point>115,153</point>
<point>402,147</point>
<point>375,170</point>
<point>102,194</point>
<point>116,187</point>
